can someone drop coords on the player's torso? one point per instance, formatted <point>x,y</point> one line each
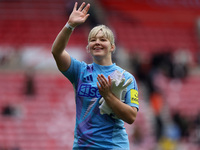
<point>90,124</point>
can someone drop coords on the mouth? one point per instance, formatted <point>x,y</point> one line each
<point>98,48</point>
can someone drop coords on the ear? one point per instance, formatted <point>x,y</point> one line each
<point>112,48</point>
<point>88,49</point>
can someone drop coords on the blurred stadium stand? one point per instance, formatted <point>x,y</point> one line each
<point>45,120</point>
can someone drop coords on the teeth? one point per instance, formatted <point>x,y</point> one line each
<point>97,48</point>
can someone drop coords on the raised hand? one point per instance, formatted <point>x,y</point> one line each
<point>79,16</point>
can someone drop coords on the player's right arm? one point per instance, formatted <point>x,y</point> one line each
<point>77,17</point>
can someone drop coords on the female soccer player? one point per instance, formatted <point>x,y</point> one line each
<point>103,101</point>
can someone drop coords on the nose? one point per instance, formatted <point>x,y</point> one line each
<point>97,41</point>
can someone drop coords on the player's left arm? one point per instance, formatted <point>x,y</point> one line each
<point>121,110</point>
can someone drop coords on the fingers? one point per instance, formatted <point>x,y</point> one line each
<point>87,16</point>
<point>101,100</point>
<point>103,84</point>
<point>86,9</point>
<point>99,87</point>
<point>79,14</point>
<point>128,82</point>
<point>75,6</point>
<point>123,72</point>
<point>113,82</point>
<point>102,80</point>
<point>121,82</point>
<point>109,80</point>
<point>81,7</point>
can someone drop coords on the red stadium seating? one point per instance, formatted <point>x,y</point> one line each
<point>42,121</point>
<point>34,22</point>
<point>44,118</point>
<point>147,28</point>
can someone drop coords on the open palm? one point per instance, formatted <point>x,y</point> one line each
<point>78,16</point>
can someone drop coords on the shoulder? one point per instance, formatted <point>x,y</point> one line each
<point>127,74</point>
<point>75,62</point>
<point>75,67</point>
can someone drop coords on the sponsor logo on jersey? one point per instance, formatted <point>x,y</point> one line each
<point>134,96</point>
<point>86,90</point>
<point>88,78</point>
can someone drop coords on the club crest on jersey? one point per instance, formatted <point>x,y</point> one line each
<point>87,90</point>
<point>134,97</point>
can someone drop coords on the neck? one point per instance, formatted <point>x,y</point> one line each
<point>103,62</point>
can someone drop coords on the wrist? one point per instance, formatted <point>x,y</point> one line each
<point>67,25</point>
<point>109,96</point>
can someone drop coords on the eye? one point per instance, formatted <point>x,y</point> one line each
<point>92,40</point>
<point>103,39</point>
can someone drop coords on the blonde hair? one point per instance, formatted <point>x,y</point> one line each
<point>106,31</point>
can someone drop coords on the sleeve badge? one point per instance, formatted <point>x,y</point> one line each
<point>134,96</point>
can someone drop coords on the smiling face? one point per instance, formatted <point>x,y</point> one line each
<point>101,44</point>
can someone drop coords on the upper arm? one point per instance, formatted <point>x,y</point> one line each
<point>63,60</point>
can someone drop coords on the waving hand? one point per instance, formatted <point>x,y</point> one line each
<point>79,15</point>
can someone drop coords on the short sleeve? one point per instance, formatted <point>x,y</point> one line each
<point>74,70</point>
<point>132,94</point>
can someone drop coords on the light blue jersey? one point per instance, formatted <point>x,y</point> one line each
<point>93,130</point>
